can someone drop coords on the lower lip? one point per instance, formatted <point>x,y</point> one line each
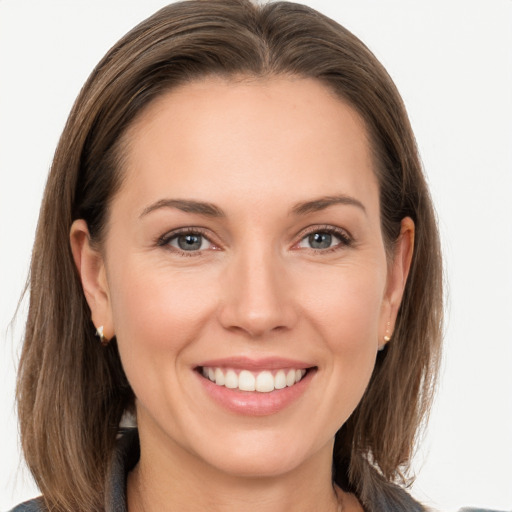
<point>254,403</point>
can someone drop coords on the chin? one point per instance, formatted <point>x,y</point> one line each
<point>260,465</point>
<point>263,456</point>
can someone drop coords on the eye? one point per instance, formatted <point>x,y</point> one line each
<point>323,239</point>
<point>187,241</point>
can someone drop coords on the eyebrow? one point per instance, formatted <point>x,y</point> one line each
<point>324,202</point>
<point>211,210</point>
<point>185,205</point>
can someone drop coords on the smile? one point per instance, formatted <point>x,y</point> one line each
<point>245,380</point>
<point>255,387</point>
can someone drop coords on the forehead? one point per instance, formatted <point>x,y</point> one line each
<point>251,137</point>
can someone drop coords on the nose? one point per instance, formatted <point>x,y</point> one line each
<point>257,296</point>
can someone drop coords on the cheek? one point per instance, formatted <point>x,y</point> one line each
<point>347,316</point>
<point>347,305</point>
<point>158,310</point>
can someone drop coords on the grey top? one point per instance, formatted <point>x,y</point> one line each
<point>127,455</point>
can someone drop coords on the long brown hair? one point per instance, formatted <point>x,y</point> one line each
<point>71,391</point>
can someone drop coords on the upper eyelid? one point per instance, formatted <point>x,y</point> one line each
<point>166,237</point>
<point>324,228</point>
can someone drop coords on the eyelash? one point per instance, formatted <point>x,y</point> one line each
<point>345,239</point>
<point>165,240</point>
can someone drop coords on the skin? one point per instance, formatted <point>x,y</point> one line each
<point>255,149</point>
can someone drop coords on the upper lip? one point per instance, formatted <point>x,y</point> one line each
<point>247,363</point>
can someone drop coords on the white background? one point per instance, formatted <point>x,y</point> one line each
<point>452,61</point>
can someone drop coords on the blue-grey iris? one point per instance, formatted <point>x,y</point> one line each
<point>320,240</point>
<point>190,242</point>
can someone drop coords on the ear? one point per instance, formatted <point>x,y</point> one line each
<point>91,268</point>
<point>398,271</point>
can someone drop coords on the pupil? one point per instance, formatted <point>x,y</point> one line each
<point>189,242</point>
<point>320,240</point>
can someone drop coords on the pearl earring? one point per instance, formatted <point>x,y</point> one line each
<point>101,336</point>
<point>387,336</point>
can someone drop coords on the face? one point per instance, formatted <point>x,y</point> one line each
<point>244,272</point>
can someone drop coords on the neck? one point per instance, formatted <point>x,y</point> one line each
<point>170,479</point>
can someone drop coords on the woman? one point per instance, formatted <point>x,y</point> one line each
<point>237,245</point>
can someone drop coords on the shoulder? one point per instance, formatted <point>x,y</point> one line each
<point>470,509</point>
<point>389,497</point>
<point>35,505</point>
<point>125,456</point>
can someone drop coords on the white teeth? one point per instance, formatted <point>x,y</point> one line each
<point>280,380</point>
<point>263,382</point>
<point>290,378</point>
<point>219,377</point>
<point>246,381</point>
<point>231,380</point>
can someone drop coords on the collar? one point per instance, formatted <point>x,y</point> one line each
<point>126,456</point>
